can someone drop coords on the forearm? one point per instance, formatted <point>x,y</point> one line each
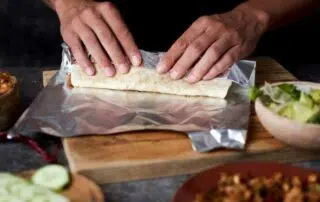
<point>280,12</point>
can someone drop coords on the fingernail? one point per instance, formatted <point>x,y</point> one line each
<point>89,71</point>
<point>205,78</point>
<point>161,68</point>
<point>174,74</point>
<point>123,68</point>
<point>109,71</point>
<point>191,78</point>
<point>135,60</point>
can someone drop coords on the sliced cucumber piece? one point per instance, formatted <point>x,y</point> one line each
<point>55,177</point>
<point>40,198</point>
<point>57,198</point>
<point>3,191</point>
<point>11,198</point>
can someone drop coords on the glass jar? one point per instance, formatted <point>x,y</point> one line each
<point>9,100</point>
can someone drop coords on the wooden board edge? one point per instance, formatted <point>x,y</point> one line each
<point>103,175</point>
<point>67,151</point>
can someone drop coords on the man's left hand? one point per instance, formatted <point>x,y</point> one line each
<point>213,43</point>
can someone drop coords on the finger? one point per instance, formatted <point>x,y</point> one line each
<point>79,54</point>
<point>107,39</point>
<point>113,18</point>
<point>190,56</point>
<point>213,53</point>
<point>94,48</point>
<point>178,48</point>
<point>224,63</point>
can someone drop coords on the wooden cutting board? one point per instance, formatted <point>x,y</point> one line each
<point>143,155</point>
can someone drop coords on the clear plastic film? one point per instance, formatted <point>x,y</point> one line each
<point>210,123</point>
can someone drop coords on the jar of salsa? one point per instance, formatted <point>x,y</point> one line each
<point>9,100</point>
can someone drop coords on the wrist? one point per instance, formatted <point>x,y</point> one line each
<point>262,18</point>
<point>65,8</point>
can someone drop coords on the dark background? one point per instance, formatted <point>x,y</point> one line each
<point>30,37</point>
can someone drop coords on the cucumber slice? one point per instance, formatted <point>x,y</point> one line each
<point>57,198</point>
<point>10,198</point>
<point>55,177</point>
<point>16,189</point>
<point>3,192</point>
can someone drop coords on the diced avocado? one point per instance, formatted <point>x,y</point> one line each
<point>305,114</point>
<point>291,89</point>
<point>315,95</point>
<point>287,112</point>
<point>306,100</point>
<point>276,107</point>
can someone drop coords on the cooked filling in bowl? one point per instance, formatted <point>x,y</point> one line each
<point>6,83</point>
<point>277,188</point>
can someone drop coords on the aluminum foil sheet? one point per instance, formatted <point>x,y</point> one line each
<point>210,123</point>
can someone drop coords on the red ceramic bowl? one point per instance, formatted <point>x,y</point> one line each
<point>208,179</point>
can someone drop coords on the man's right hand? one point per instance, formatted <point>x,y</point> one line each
<point>99,28</point>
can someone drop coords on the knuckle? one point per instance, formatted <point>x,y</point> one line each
<point>168,60</point>
<point>89,38</point>
<point>236,35</point>
<point>103,60</point>
<point>219,67</point>
<point>124,34</point>
<point>80,58</point>
<point>107,6</point>
<point>120,59</point>
<point>107,37</point>
<point>88,12</point>
<point>214,52</point>
<point>204,20</point>
<point>233,35</point>
<point>75,22</point>
<point>230,58</point>
<point>181,44</point>
<point>196,48</point>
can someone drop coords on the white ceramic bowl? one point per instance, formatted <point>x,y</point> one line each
<point>306,136</point>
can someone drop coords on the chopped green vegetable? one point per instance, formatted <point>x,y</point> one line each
<point>288,101</point>
<point>306,100</point>
<point>287,112</point>
<point>304,113</point>
<point>276,94</point>
<point>254,93</point>
<point>291,90</point>
<point>315,94</point>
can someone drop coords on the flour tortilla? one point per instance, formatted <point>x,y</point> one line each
<point>148,80</point>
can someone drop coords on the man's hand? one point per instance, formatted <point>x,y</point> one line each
<point>213,43</point>
<point>99,29</point>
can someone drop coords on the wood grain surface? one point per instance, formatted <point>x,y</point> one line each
<point>150,154</point>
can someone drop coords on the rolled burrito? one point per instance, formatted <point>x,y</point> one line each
<point>149,80</point>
